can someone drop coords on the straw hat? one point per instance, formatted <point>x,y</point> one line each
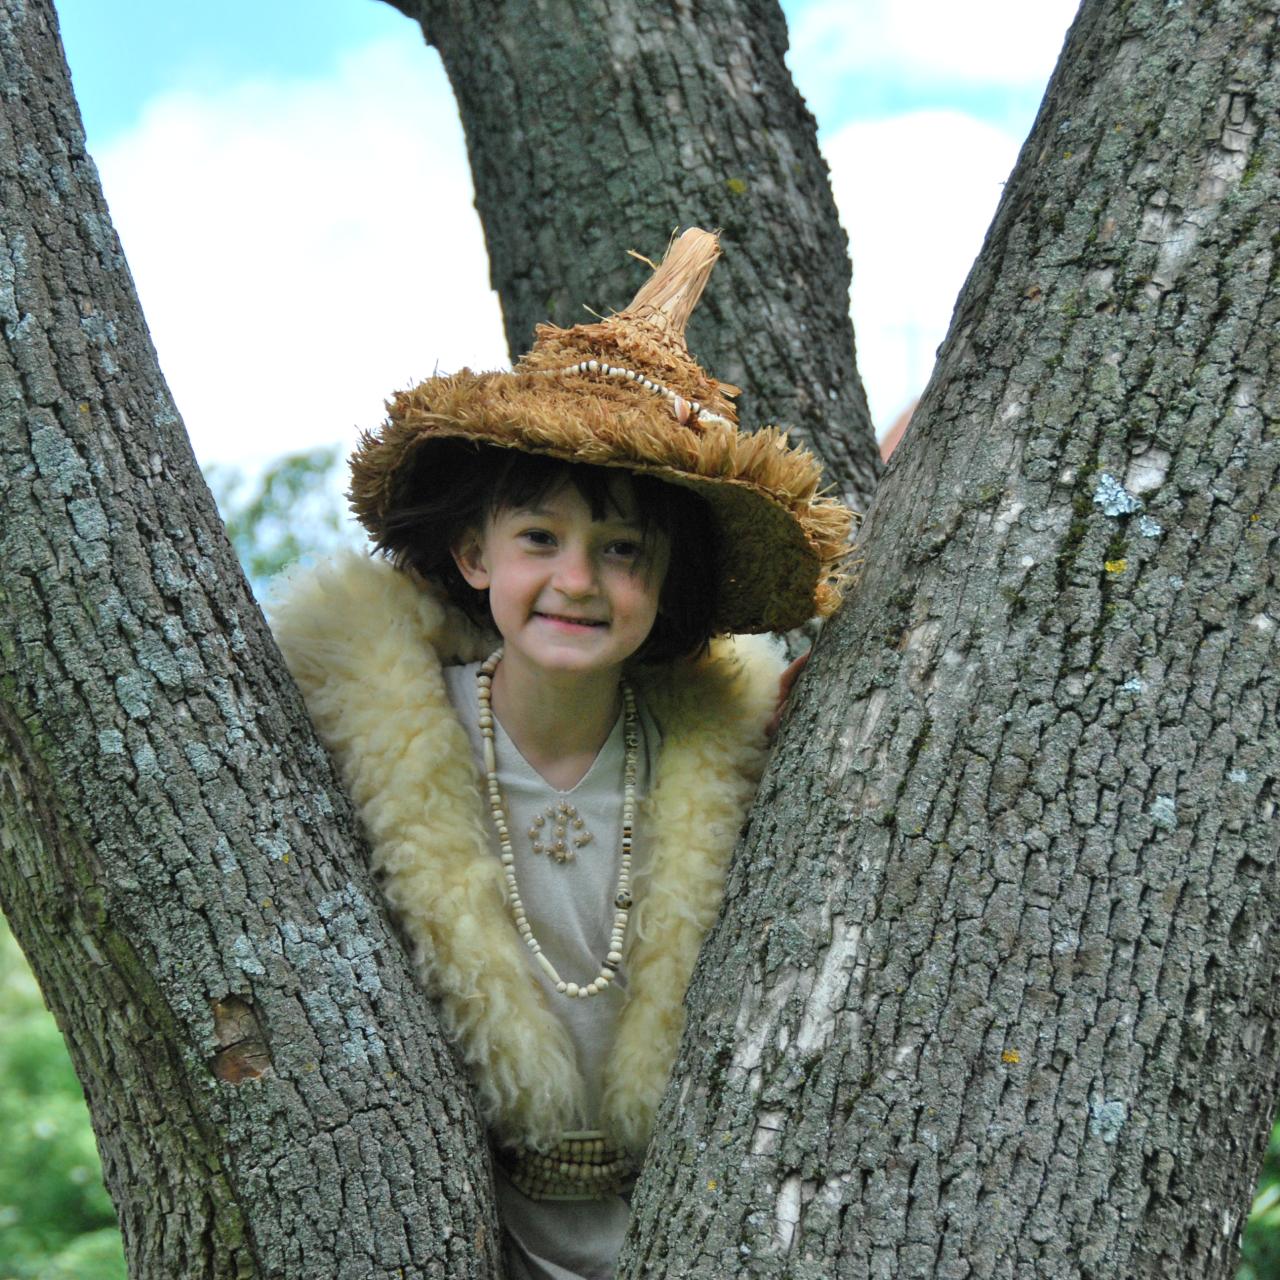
<point>625,392</point>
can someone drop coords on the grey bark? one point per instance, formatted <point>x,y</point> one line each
<point>994,993</point>
<point>270,1093</point>
<point>592,125</point>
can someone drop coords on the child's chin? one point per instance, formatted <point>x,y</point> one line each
<point>569,654</point>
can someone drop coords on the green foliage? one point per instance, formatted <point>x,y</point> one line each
<point>56,1222</point>
<point>1260,1252</point>
<point>291,509</point>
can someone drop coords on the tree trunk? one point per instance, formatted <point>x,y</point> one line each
<point>269,1090</point>
<point>592,126</point>
<point>994,991</point>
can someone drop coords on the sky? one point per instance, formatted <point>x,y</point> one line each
<point>282,173</point>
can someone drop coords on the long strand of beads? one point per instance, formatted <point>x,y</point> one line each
<point>622,898</point>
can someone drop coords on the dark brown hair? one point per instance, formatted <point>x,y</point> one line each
<point>456,485</point>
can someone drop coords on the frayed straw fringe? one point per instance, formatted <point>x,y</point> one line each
<point>779,538</point>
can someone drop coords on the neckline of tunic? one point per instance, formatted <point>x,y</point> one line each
<point>608,748</point>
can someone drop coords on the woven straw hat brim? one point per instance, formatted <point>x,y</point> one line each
<point>780,543</point>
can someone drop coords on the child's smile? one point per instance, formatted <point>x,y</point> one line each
<point>569,593</point>
<point>571,623</point>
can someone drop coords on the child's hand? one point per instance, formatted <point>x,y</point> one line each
<point>787,679</point>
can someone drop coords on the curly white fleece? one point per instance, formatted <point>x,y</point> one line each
<point>366,644</point>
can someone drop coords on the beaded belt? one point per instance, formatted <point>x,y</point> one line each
<point>581,1166</point>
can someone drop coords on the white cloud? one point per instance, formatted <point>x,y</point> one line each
<point>304,248</point>
<point>985,42</point>
<point>916,194</point>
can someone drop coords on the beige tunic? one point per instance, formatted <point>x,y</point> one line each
<point>570,908</point>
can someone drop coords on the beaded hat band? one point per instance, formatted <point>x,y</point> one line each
<point>625,392</point>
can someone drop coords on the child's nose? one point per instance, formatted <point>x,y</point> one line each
<point>575,572</point>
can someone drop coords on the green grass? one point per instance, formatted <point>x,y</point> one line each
<point>56,1222</point>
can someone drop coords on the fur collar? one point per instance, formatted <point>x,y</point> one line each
<point>366,644</point>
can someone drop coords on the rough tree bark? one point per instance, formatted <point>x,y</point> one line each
<point>994,984</point>
<point>994,992</point>
<point>269,1091</point>
<point>592,125</point>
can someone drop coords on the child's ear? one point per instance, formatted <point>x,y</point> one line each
<point>468,555</point>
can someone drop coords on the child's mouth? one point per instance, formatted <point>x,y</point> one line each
<point>563,620</point>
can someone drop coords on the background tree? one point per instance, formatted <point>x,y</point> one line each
<point>290,509</point>
<point>994,992</point>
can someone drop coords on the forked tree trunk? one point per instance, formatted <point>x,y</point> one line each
<point>994,991</point>
<point>594,126</point>
<point>269,1091</point>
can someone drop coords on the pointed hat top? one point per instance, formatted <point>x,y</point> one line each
<point>648,335</point>
<point>668,297</point>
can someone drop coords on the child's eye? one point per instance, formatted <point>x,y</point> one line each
<point>624,548</point>
<point>538,537</point>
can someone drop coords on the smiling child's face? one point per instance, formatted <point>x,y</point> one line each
<point>569,594</point>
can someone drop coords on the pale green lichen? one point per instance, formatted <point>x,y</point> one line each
<point>203,762</point>
<point>57,462</point>
<point>145,761</point>
<point>1164,813</point>
<point>1107,1118</point>
<point>134,692</point>
<point>1113,498</point>
<point>246,960</point>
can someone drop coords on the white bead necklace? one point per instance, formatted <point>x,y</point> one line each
<point>622,899</point>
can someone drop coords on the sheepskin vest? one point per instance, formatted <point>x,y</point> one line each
<point>366,644</point>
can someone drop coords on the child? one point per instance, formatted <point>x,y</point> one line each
<point>551,809</point>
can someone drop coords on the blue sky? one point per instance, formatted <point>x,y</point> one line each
<point>123,53</point>
<point>167,47</point>
<point>238,143</point>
